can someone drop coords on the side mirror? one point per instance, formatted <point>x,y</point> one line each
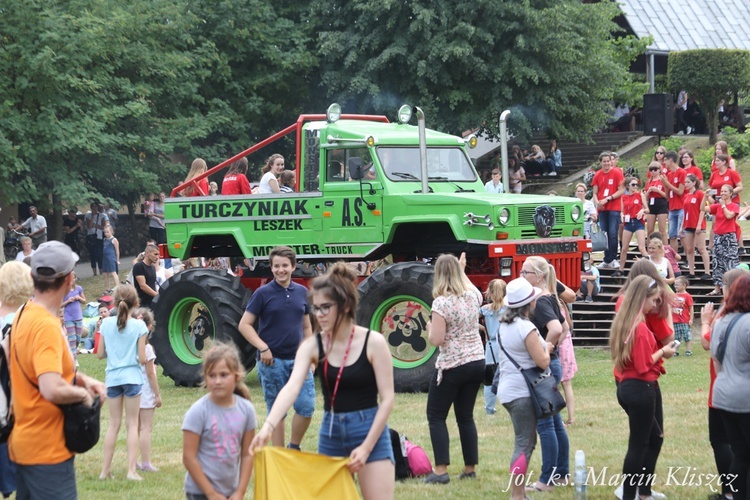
<point>355,168</point>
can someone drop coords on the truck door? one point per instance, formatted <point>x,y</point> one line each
<point>352,223</point>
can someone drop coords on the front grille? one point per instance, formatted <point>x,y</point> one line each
<point>526,215</point>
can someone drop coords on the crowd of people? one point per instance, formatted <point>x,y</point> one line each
<point>676,199</point>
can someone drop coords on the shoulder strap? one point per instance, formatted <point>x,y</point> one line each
<point>500,343</point>
<point>15,351</point>
<point>721,351</point>
<point>321,351</point>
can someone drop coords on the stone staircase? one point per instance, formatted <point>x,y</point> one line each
<point>575,155</point>
<point>592,320</point>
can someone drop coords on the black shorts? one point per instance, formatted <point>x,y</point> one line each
<point>660,207</point>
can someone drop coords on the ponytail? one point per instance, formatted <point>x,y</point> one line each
<point>126,299</point>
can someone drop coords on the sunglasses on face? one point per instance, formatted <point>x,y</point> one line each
<point>634,185</point>
<point>653,169</point>
<point>660,152</point>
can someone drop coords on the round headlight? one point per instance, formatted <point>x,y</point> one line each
<point>370,141</point>
<point>404,114</point>
<point>471,141</point>
<point>504,216</point>
<point>333,113</point>
<point>576,213</point>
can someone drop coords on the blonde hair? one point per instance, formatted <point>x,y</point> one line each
<point>196,168</point>
<point>16,285</point>
<point>227,352</point>
<point>495,294</point>
<point>658,243</point>
<point>542,267</point>
<point>655,164</point>
<point>126,300</point>
<point>449,278</point>
<point>626,320</point>
<point>645,267</point>
<point>144,314</point>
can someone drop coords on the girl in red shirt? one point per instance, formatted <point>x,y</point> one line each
<point>633,216</point>
<point>695,225</point>
<point>722,148</point>
<point>658,204</point>
<point>235,182</point>
<point>636,356</point>
<point>724,175</point>
<point>726,250</point>
<point>196,168</point>
<point>690,167</point>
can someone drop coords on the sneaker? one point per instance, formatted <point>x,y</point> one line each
<point>468,475</point>
<point>657,495</point>
<point>545,174</point>
<point>615,264</point>
<point>706,277</point>
<point>618,274</point>
<point>490,411</point>
<point>605,265</point>
<point>147,467</point>
<point>553,174</point>
<point>676,353</point>
<point>687,353</point>
<point>588,299</point>
<point>433,478</point>
<point>689,130</point>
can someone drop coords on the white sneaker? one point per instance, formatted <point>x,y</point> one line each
<point>655,495</point>
<point>615,264</point>
<point>605,265</point>
<point>553,174</point>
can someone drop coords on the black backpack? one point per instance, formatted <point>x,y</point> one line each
<point>402,465</point>
<point>6,414</point>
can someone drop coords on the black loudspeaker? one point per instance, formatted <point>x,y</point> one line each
<point>657,114</point>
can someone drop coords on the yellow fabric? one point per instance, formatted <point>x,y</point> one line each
<point>281,473</point>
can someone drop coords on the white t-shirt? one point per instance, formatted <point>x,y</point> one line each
<point>148,398</point>
<point>512,385</point>
<point>265,183</point>
<point>20,256</point>
<point>34,225</point>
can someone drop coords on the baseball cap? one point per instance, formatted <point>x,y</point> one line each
<point>53,260</point>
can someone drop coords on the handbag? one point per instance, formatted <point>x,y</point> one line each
<point>81,425</point>
<point>545,396</point>
<point>598,239</point>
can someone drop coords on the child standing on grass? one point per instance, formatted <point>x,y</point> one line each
<point>73,315</point>
<point>150,396</point>
<point>110,259</point>
<point>682,314</point>
<point>495,295</point>
<point>123,343</point>
<point>218,429</point>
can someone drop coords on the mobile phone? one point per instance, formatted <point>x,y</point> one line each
<point>675,344</point>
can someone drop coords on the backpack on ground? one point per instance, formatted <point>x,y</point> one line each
<point>402,466</point>
<point>419,462</point>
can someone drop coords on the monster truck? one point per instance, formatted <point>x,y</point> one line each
<point>367,190</point>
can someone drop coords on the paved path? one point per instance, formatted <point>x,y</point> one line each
<point>83,269</point>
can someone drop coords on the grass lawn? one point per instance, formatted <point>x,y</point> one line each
<point>600,430</point>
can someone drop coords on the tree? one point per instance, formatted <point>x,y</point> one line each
<point>555,63</point>
<point>710,75</point>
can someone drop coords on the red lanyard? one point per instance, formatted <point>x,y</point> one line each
<point>341,368</point>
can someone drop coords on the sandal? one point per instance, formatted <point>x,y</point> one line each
<point>539,487</point>
<point>713,293</point>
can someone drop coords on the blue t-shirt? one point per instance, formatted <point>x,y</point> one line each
<point>122,351</point>
<point>280,312</point>
<point>492,325</point>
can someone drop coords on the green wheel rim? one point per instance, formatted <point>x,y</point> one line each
<point>190,318</point>
<point>403,318</point>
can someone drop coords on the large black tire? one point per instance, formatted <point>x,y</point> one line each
<point>397,301</point>
<point>191,308</point>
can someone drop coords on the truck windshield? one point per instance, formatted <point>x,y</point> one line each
<point>443,164</point>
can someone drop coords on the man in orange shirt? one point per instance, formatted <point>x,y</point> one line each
<point>42,377</point>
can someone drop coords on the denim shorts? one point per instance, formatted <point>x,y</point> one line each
<point>127,390</point>
<point>634,225</point>
<point>348,431</point>
<point>273,378</point>
<point>675,221</point>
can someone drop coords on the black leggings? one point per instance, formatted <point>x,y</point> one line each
<point>723,456</point>
<point>642,402</point>
<point>737,427</point>
<point>458,388</point>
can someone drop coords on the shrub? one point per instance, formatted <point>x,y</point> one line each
<point>739,143</point>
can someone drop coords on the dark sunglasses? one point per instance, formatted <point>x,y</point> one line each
<point>660,152</point>
<point>634,185</point>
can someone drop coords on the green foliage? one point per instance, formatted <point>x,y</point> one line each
<point>739,143</point>
<point>710,75</point>
<point>554,63</point>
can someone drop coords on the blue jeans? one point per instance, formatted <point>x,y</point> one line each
<point>341,433</point>
<point>490,399</point>
<point>554,440</point>
<point>609,222</point>
<point>675,222</point>
<point>273,378</point>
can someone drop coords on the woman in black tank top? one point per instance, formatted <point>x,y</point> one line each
<point>354,365</point>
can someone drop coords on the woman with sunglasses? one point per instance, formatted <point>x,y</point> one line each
<point>354,365</point>
<point>659,156</point>
<point>633,215</point>
<point>695,228</point>
<point>658,203</point>
<point>637,357</point>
